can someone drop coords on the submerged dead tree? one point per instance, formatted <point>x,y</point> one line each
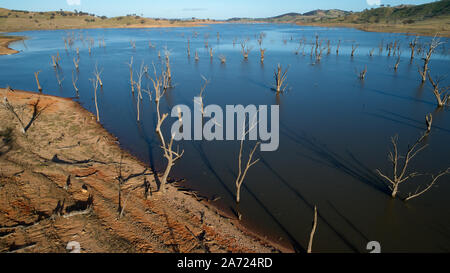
<point>36,75</point>
<point>95,85</point>
<point>397,62</point>
<point>401,163</point>
<point>433,45</point>
<point>98,74</point>
<point>76,62</point>
<point>168,69</point>
<point>188,47</point>
<point>413,45</point>
<point>130,65</point>
<point>245,49</point>
<point>242,170</point>
<point>354,47</point>
<point>262,51</point>
<point>442,94</point>
<point>55,60</point>
<point>196,56</point>
<point>74,82</point>
<point>169,154</point>
<point>222,59</point>
<point>138,83</point>
<point>280,78</point>
<point>362,74</point>
<point>338,46</point>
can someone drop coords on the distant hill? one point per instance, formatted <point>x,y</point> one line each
<point>426,19</point>
<point>292,17</point>
<point>406,14</point>
<point>20,20</point>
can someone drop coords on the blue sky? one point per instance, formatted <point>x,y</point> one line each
<point>215,9</point>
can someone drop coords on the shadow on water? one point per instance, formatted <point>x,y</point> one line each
<point>308,204</point>
<point>399,97</point>
<point>201,152</point>
<point>393,120</point>
<point>348,222</point>
<point>436,112</point>
<point>295,244</point>
<point>151,143</point>
<point>327,157</point>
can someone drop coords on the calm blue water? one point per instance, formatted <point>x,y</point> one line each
<point>335,130</point>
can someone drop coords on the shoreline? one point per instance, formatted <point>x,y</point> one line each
<point>4,44</point>
<point>178,208</point>
<point>380,28</point>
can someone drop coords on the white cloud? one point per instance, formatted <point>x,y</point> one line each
<point>73,2</point>
<point>373,2</point>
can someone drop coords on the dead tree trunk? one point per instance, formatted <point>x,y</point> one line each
<point>380,48</point>
<point>170,155</point>
<point>354,47</point>
<point>280,78</point>
<point>130,65</point>
<point>245,49</point>
<point>97,75</point>
<point>223,59</point>
<point>188,48</point>
<point>211,53</point>
<point>413,45</point>
<point>263,51</point>
<point>138,83</point>
<point>398,62</point>
<point>399,173</point>
<point>433,45</point>
<point>362,74</point>
<point>95,85</point>
<point>242,172</point>
<point>338,46</point>
<point>313,231</point>
<point>389,48</point>
<point>74,82</point>
<point>442,94</point>
<point>36,75</point>
<point>76,62</point>
<point>168,69</point>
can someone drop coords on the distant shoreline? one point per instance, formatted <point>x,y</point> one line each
<point>5,40</point>
<point>412,30</point>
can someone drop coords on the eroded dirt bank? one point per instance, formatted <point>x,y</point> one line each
<point>4,44</point>
<point>59,183</point>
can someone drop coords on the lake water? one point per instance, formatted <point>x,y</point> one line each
<point>334,129</point>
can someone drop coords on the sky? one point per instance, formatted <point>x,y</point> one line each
<point>213,9</point>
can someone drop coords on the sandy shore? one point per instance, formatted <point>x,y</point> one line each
<point>4,43</point>
<point>59,183</point>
